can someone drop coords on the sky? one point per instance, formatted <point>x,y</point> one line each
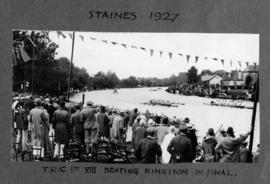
<point>95,55</point>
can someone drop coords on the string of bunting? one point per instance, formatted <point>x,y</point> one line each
<point>18,51</point>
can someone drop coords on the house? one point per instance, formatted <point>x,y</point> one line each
<point>211,79</point>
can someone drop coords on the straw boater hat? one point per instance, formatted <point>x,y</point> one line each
<point>183,126</point>
<point>172,129</point>
<point>151,122</point>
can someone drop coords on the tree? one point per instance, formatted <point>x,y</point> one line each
<point>192,75</point>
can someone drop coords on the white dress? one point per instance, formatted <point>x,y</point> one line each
<point>166,156</point>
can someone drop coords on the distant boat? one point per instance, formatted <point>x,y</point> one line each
<point>115,91</point>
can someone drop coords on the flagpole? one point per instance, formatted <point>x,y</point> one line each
<point>249,159</point>
<point>70,68</point>
<point>33,63</point>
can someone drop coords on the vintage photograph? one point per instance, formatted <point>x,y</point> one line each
<point>129,97</point>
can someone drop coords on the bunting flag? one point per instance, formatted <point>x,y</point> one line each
<point>151,52</point>
<point>206,58</point>
<point>180,54</point>
<point>134,47</point>
<point>188,56</point>
<point>124,45</point>
<point>59,33</point>
<point>81,36</point>
<point>160,52</point>
<point>239,62</point>
<point>143,48</point>
<point>222,61</point>
<point>215,59</point>
<point>105,41</point>
<point>24,55</point>
<point>92,38</point>
<point>170,55</point>
<point>196,59</point>
<point>247,64</point>
<point>231,62</point>
<point>70,35</point>
<point>114,43</point>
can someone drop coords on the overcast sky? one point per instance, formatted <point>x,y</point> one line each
<point>95,55</point>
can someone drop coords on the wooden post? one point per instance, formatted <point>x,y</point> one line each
<point>83,99</point>
<point>249,159</point>
<point>70,68</point>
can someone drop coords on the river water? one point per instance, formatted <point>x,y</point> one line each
<point>201,115</point>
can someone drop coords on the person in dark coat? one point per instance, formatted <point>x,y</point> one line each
<point>22,125</point>
<point>208,145</point>
<point>61,121</point>
<point>243,152</point>
<point>180,146</point>
<point>88,116</point>
<point>149,151</point>
<point>75,120</point>
<point>103,121</point>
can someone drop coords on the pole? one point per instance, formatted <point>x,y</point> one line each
<point>249,159</point>
<point>83,99</point>
<point>33,65</point>
<point>70,68</point>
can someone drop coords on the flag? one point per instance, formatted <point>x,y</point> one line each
<point>81,36</point>
<point>196,59</point>
<point>170,55</point>
<point>92,38</point>
<point>206,58</point>
<point>124,45</point>
<point>247,64</point>
<point>143,48</point>
<point>215,59</point>
<point>222,61</point>
<point>105,41</point>
<point>59,33</point>
<point>180,54</point>
<point>24,55</point>
<point>239,62</point>
<point>70,35</point>
<point>160,52</point>
<point>151,52</point>
<point>114,43</point>
<point>188,56</point>
<point>134,47</point>
<point>14,59</point>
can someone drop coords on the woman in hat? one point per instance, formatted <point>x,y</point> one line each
<point>208,145</point>
<point>166,156</point>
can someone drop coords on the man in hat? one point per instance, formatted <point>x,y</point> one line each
<point>37,118</point>
<point>180,146</point>
<point>77,123</point>
<point>90,125</point>
<point>230,145</point>
<point>140,132</point>
<point>148,150</point>
<point>166,156</point>
<point>103,123</point>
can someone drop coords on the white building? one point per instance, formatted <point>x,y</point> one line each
<point>212,79</point>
